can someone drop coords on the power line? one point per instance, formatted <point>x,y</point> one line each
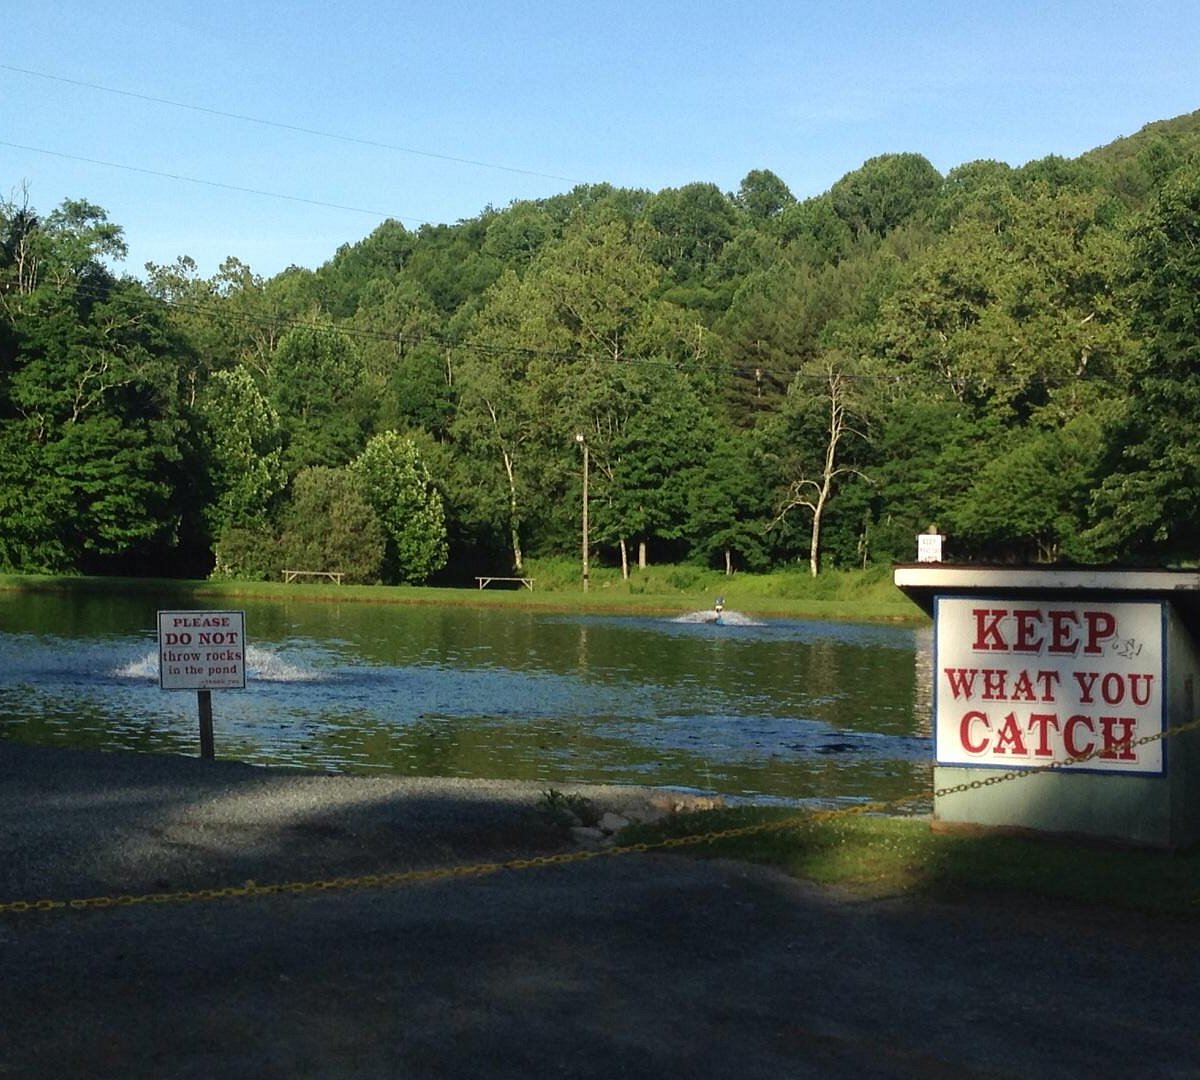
<point>287,127</point>
<point>204,183</point>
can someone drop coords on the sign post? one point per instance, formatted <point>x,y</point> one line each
<point>202,651</point>
<point>204,703</point>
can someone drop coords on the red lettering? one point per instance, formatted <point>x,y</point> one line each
<point>1117,747</point>
<point>962,681</point>
<point>1027,686</point>
<point>964,732</point>
<point>1100,626</point>
<point>1009,739</point>
<point>1023,690</point>
<point>994,684</point>
<point>1062,637</point>
<point>987,629</point>
<point>1046,678</point>
<point>1073,748</point>
<point>1112,688</point>
<point>1028,623</point>
<point>1040,724</point>
<point>1140,697</point>
<point>1086,680</point>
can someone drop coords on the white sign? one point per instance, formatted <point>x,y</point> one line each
<point>202,650</point>
<point>1023,683</point>
<point>929,547</point>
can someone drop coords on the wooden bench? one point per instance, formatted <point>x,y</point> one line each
<point>333,575</point>
<point>484,582</point>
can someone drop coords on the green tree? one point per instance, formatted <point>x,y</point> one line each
<point>813,232</point>
<point>925,453</point>
<point>1058,174</point>
<point>517,234</point>
<point>728,507</point>
<point>244,441</point>
<point>342,283</point>
<point>247,553</point>
<point>317,386</point>
<point>885,192</point>
<point>250,316</point>
<point>781,320</point>
<point>1017,305</point>
<point>1146,505</point>
<point>399,336</point>
<point>496,425</point>
<point>693,223</point>
<point>194,308</point>
<point>1031,498</point>
<point>408,505</point>
<point>978,188</point>
<point>763,195</point>
<point>94,441</point>
<point>653,436</point>
<point>80,237</point>
<point>450,265</point>
<point>550,356</point>
<point>21,249</point>
<point>328,524</point>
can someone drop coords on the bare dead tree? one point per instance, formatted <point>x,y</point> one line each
<point>812,492</point>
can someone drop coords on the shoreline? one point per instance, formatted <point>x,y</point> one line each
<point>604,599</point>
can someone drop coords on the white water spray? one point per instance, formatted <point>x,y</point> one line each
<point>722,618</point>
<point>262,665</point>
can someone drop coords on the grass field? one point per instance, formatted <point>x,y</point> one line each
<point>881,856</point>
<point>856,595</point>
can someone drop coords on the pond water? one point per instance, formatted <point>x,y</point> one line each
<point>763,710</point>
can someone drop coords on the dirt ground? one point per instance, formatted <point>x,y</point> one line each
<point>644,965</point>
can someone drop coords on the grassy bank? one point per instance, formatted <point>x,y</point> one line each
<point>867,594</point>
<point>892,856</point>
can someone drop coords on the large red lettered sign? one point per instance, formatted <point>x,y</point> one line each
<point>1026,683</point>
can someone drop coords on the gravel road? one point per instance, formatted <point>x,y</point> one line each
<point>634,966</point>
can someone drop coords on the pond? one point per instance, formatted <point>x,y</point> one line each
<point>762,710</point>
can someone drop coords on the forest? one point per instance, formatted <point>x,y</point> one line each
<point>754,381</point>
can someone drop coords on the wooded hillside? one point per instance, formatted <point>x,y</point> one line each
<point>1010,353</point>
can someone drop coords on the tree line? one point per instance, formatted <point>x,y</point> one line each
<point>1012,354</point>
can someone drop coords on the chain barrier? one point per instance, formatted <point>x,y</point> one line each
<point>443,873</point>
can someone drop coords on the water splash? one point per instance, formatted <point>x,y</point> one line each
<point>268,666</point>
<point>723,618</point>
<point>262,665</point>
<point>145,668</point>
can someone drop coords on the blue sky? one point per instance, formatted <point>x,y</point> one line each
<point>441,109</point>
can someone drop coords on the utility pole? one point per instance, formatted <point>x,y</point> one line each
<point>583,442</point>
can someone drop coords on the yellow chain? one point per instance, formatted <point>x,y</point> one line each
<point>441,873</point>
<point>411,877</point>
